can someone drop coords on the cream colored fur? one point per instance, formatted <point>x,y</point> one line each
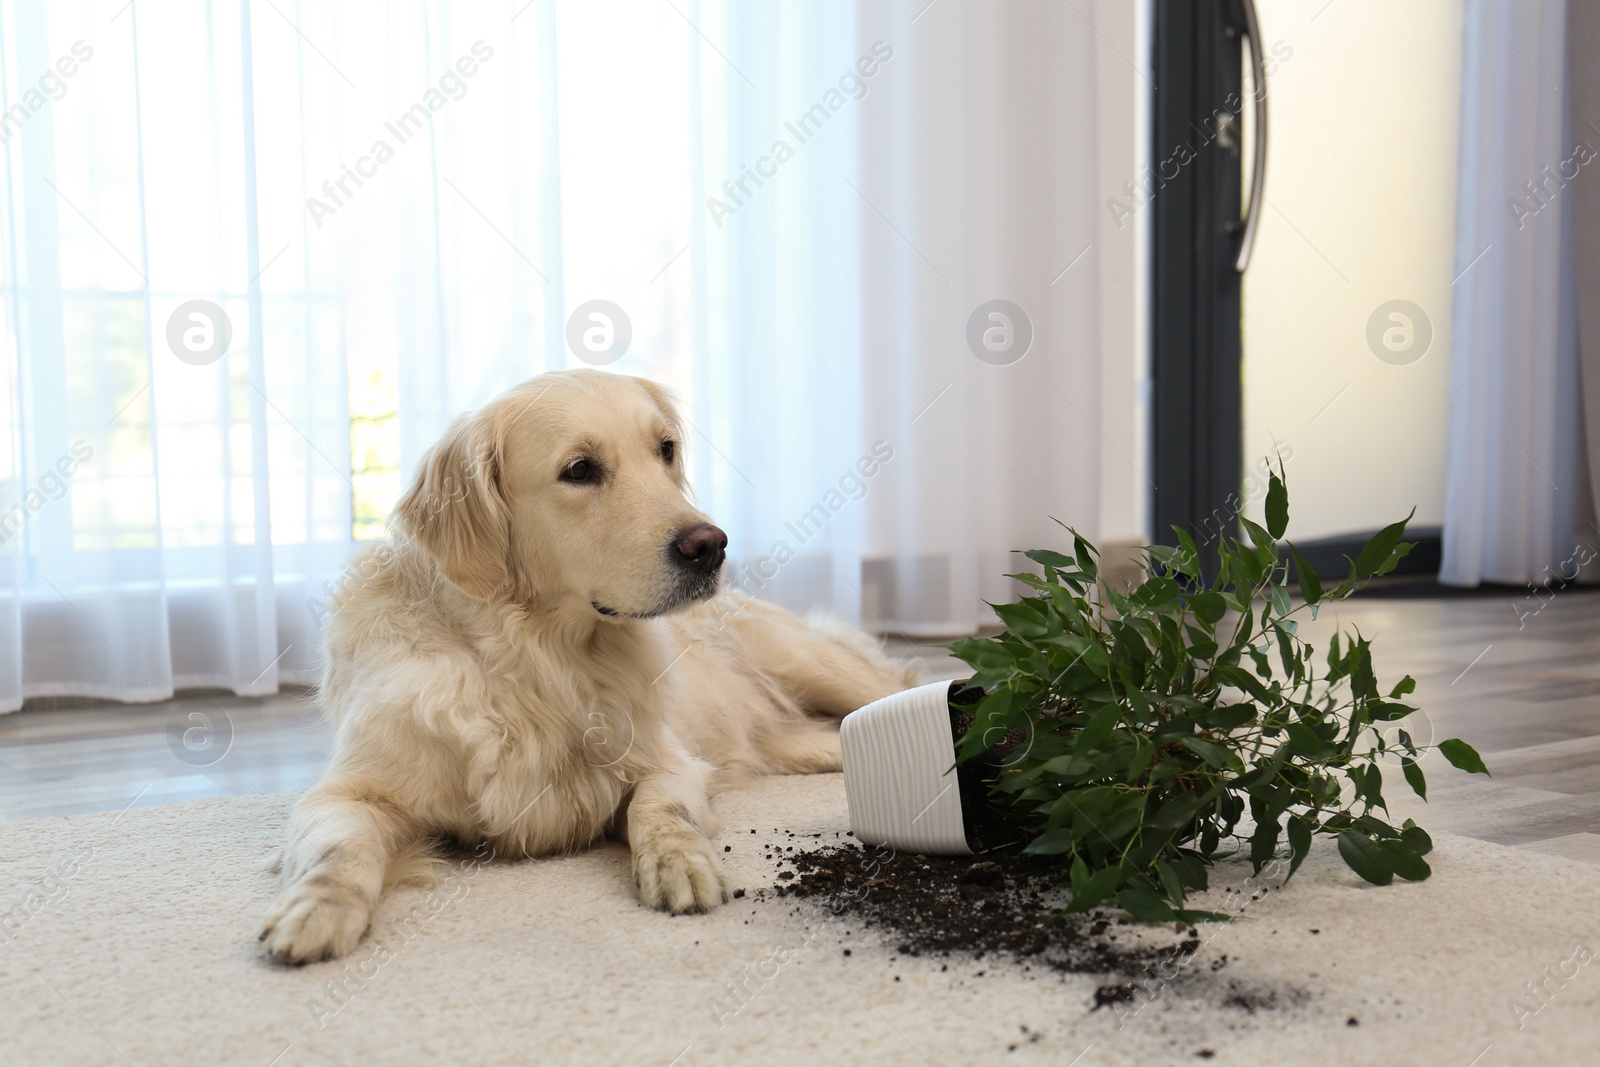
<point>528,665</point>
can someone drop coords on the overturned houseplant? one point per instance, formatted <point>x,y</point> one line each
<point>1156,729</point>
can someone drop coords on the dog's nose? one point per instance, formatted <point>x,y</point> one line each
<point>702,547</point>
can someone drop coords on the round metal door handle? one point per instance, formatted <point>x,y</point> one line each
<point>1258,166</point>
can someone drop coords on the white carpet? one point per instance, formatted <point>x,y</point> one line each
<point>131,939</point>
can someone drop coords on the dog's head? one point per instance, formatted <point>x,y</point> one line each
<point>570,487</point>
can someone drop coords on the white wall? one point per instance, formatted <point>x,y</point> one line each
<point>1122,72</point>
<point>1360,189</point>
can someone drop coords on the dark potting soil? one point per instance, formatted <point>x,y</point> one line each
<point>1000,908</point>
<point>1001,903</point>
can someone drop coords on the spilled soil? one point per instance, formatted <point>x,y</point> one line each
<point>1001,904</point>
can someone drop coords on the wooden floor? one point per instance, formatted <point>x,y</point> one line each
<point>1524,689</point>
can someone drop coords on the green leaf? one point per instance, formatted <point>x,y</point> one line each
<point>1248,562</point>
<point>1099,729</point>
<point>1190,551</point>
<point>1070,766</point>
<point>1414,775</point>
<point>1090,806</point>
<point>1277,506</point>
<point>1417,838</point>
<point>1191,868</point>
<point>1376,827</point>
<point>1051,842</point>
<point>1051,559</point>
<point>1241,679</point>
<point>1212,753</point>
<point>1145,906</point>
<point>1310,584</point>
<point>1370,785</point>
<point>1336,662</point>
<point>1401,551</point>
<point>1208,607</point>
<point>1021,618</point>
<point>1266,547</point>
<point>1167,556</point>
<point>995,714</point>
<point>1289,652</point>
<point>1079,874</point>
<point>1228,716</point>
<point>1201,645</point>
<point>1156,595</point>
<point>1264,842</point>
<point>1124,816</point>
<point>1303,741</point>
<point>1463,756</point>
<point>1170,883</point>
<point>1193,916</point>
<point>1363,855</point>
<point>1093,888</point>
<point>1087,556</point>
<point>1299,842</point>
<point>1387,710</point>
<point>1180,811</point>
<point>1263,773</point>
<point>1378,550</point>
<point>983,653</point>
<point>1144,753</point>
<point>1404,859</point>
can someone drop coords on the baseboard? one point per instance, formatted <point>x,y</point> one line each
<point>1330,556</point>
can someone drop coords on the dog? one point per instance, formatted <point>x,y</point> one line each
<point>543,655</point>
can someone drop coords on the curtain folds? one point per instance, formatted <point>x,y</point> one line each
<point>923,171</point>
<point>1582,43</point>
<point>1518,504</point>
<point>256,255</point>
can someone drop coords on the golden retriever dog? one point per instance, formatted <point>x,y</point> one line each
<point>543,656</point>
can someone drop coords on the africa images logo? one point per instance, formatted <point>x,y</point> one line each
<point>802,128</point>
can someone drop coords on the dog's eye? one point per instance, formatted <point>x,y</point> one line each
<point>668,449</point>
<point>579,471</point>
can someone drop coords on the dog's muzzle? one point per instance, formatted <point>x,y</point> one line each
<point>695,558</point>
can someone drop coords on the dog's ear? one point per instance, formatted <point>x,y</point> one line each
<point>669,410</point>
<point>455,509</point>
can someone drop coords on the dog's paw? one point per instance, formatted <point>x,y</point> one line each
<point>679,871</point>
<point>307,925</point>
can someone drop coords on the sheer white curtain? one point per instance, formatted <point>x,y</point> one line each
<point>924,160</point>
<point>1517,503</point>
<point>979,176</point>
<point>398,207</point>
<point>360,190</point>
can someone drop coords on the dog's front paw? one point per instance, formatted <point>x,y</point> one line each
<point>309,924</point>
<point>679,871</point>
